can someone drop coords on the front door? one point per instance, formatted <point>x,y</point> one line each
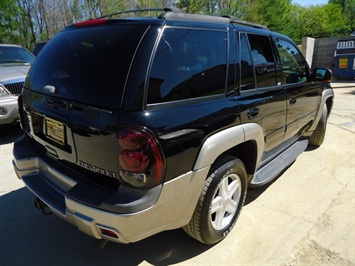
<point>302,97</point>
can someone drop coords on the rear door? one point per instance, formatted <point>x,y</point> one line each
<point>262,98</point>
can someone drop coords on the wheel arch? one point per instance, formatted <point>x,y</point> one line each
<point>245,142</point>
<point>327,100</point>
<point>247,153</point>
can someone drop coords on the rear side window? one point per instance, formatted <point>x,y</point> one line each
<point>246,65</point>
<point>188,64</point>
<point>263,60</point>
<point>88,65</point>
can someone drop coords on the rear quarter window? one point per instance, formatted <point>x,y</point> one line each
<point>188,63</point>
<point>89,64</point>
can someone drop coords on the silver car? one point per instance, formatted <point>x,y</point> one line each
<point>15,61</point>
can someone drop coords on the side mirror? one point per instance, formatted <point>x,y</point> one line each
<point>322,74</point>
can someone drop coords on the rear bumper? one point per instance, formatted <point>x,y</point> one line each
<point>165,207</point>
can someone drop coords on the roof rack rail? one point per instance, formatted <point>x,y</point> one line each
<point>193,17</point>
<point>247,23</point>
<point>165,9</point>
<point>173,13</point>
<point>209,18</point>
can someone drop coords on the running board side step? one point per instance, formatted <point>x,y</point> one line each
<point>276,166</point>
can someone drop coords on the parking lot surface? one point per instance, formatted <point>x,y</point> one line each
<point>305,217</point>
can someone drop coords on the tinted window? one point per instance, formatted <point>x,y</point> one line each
<point>188,64</point>
<point>14,54</point>
<point>88,65</point>
<point>294,66</point>
<point>263,60</point>
<point>39,46</point>
<point>246,64</point>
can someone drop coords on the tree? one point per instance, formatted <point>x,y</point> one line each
<point>26,22</point>
<point>348,10</point>
<point>275,15</point>
<point>323,21</point>
<point>245,10</point>
<point>8,26</point>
<point>343,3</point>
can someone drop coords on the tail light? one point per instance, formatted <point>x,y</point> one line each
<point>90,22</point>
<point>141,160</point>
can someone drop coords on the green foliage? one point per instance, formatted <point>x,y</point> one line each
<point>245,10</point>
<point>208,7</point>
<point>323,21</point>
<point>337,21</point>
<point>26,22</point>
<point>275,14</point>
<point>8,25</point>
<point>348,10</point>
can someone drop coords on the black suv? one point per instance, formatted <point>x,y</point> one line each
<point>138,125</point>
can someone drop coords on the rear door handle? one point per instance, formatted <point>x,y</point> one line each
<point>253,113</point>
<point>293,100</point>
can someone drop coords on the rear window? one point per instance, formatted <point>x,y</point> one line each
<point>88,65</point>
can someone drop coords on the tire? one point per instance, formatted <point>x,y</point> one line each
<point>220,203</point>
<point>317,137</point>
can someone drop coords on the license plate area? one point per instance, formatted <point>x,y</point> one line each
<point>48,130</point>
<point>55,131</point>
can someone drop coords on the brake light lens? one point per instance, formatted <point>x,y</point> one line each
<point>141,160</point>
<point>90,22</point>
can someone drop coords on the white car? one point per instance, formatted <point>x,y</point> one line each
<point>15,61</point>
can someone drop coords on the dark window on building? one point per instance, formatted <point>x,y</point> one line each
<point>188,64</point>
<point>294,67</point>
<point>263,60</point>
